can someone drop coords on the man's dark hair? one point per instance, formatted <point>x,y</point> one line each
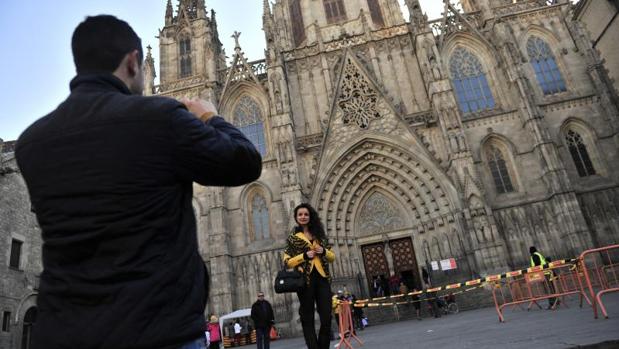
<point>101,42</point>
<point>532,250</point>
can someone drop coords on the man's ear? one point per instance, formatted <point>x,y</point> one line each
<point>133,63</point>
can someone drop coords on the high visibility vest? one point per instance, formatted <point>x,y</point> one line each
<point>541,259</point>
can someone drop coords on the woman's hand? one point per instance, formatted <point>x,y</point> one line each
<point>310,254</point>
<point>319,249</point>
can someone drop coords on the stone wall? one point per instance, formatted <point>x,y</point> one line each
<point>18,286</point>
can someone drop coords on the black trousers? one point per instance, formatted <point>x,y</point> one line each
<point>318,293</point>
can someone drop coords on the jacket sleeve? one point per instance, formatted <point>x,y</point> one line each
<point>213,153</point>
<point>292,262</point>
<point>329,255</point>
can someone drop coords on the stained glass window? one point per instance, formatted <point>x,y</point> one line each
<point>472,90</point>
<point>498,168</point>
<point>248,118</point>
<point>260,217</point>
<point>376,13</point>
<point>545,67</point>
<point>579,153</point>
<point>185,57</point>
<point>298,29</point>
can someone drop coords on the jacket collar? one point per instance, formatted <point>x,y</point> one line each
<point>301,235</point>
<point>98,82</point>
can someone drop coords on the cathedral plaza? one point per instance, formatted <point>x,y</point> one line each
<point>478,329</point>
<point>452,144</point>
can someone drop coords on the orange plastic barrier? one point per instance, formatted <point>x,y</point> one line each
<point>556,282</point>
<point>345,325</point>
<point>600,270</point>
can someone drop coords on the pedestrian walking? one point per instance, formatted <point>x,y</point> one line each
<point>214,332</point>
<point>308,250</point>
<point>430,296</point>
<point>377,287</point>
<point>237,333</point>
<point>110,175</point>
<point>538,259</point>
<point>416,303</point>
<point>264,319</point>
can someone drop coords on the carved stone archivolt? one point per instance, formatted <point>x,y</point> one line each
<point>358,101</point>
<point>374,166</point>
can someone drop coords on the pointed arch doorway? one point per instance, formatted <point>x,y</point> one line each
<point>382,216</point>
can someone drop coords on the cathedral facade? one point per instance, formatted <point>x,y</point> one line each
<point>472,137</point>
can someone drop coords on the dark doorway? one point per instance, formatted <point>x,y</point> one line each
<point>404,262</point>
<point>29,319</point>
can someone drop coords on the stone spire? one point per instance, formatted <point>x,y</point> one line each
<point>201,9</point>
<point>417,18</point>
<point>149,72</point>
<point>169,13</point>
<point>266,8</point>
<point>192,9</point>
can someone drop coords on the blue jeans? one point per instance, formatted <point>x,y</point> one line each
<point>263,337</point>
<point>199,343</point>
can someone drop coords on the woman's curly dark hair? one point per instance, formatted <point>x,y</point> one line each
<point>315,225</point>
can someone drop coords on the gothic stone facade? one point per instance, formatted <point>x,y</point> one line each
<point>473,136</point>
<point>470,137</point>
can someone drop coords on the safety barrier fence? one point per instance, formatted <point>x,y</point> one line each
<point>599,268</point>
<point>346,327</point>
<point>594,273</point>
<point>555,284</point>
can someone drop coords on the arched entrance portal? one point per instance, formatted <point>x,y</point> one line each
<point>29,319</point>
<point>382,215</point>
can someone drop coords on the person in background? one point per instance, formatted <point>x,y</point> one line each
<point>263,317</point>
<point>416,303</point>
<point>237,333</point>
<point>214,332</point>
<point>538,259</point>
<point>430,296</point>
<point>394,284</point>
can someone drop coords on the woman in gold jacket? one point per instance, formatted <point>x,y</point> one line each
<point>308,250</point>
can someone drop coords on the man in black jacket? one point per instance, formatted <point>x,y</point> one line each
<point>262,315</point>
<point>110,176</point>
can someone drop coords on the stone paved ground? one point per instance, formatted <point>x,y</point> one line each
<point>563,328</point>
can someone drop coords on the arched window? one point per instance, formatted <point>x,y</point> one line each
<point>260,217</point>
<point>498,168</point>
<point>248,118</point>
<point>579,153</point>
<point>184,54</point>
<point>296,16</point>
<point>469,79</point>
<point>545,66</point>
<point>376,13</point>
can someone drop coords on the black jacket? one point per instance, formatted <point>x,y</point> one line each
<point>110,179</point>
<point>261,318</point>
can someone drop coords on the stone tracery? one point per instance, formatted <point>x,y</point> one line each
<point>357,100</point>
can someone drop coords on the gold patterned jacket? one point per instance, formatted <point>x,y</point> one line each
<point>296,246</point>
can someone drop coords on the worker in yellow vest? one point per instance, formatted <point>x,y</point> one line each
<point>539,259</point>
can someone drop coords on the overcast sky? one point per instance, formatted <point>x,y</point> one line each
<point>36,62</point>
